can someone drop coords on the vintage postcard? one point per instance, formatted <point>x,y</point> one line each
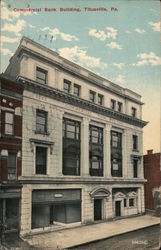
<point>80,126</point>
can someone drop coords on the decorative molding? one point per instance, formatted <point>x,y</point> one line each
<point>119,195</point>
<point>42,142</point>
<point>76,101</point>
<point>99,193</point>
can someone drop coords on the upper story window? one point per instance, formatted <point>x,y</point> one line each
<point>131,202</point>
<point>41,160</point>
<point>119,106</point>
<point>96,135</point>
<point>133,110</point>
<point>96,151</point>
<point>115,139</point>
<point>71,147</point>
<point>92,96</point>
<point>41,121</point>
<point>67,86</point>
<point>41,75</point>
<point>116,154</point>
<point>76,90</point>
<point>9,123</point>
<point>135,142</point>
<point>12,166</point>
<point>135,168</point>
<point>113,104</point>
<point>100,99</point>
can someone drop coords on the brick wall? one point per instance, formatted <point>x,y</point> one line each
<point>153,175</point>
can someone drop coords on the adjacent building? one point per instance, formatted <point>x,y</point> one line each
<point>10,154</point>
<point>81,143</point>
<point>152,172</point>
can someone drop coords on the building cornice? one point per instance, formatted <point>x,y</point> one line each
<point>79,180</point>
<point>50,92</point>
<point>91,78</point>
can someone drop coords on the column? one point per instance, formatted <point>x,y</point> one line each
<point>85,147</point>
<point>124,154</point>
<point>107,151</point>
<point>59,170</point>
<point>139,200</point>
<point>142,200</point>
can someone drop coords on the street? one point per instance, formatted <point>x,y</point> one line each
<point>147,238</point>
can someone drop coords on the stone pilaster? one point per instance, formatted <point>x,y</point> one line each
<point>107,151</point>
<point>85,147</point>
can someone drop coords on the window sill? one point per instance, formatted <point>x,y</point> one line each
<point>135,150</point>
<point>8,136</point>
<point>42,133</point>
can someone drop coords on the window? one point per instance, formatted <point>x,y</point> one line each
<point>100,99</point>
<point>133,112</point>
<point>113,103</point>
<point>92,96</point>
<point>67,85</point>
<point>76,90</point>
<point>119,106</point>
<point>135,142</point>
<point>96,150</point>
<point>116,154</point>
<point>41,121</point>
<point>116,139</point>
<point>131,202</point>
<point>125,202</point>
<point>41,160</point>
<point>71,147</point>
<point>9,123</point>
<point>135,167</point>
<point>12,163</point>
<point>41,75</point>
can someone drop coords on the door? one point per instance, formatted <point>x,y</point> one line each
<point>98,209</point>
<point>118,208</point>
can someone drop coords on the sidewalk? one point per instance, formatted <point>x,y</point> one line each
<point>77,236</point>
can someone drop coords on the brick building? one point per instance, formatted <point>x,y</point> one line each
<point>152,172</point>
<point>82,143</point>
<point>10,153</point>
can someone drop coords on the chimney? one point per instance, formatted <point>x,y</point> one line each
<point>150,152</point>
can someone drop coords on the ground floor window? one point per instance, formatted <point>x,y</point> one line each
<point>45,215</point>
<point>131,202</point>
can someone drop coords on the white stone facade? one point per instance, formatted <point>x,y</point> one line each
<point>121,188</point>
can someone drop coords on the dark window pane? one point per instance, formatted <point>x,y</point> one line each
<point>100,99</point>
<point>135,166</point>
<point>92,96</point>
<point>12,163</point>
<point>135,142</point>
<point>41,160</point>
<point>71,147</point>
<point>125,202</point>
<point>41,75</point>
<point>119,107</point>
<point>131,202</point>
<point>113,104</point>
<point>41,121</point>
<point>76,90</point>
<point>67,86</point>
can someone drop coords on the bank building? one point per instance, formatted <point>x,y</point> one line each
<point>82,139</point>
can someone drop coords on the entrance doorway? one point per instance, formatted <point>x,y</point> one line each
<point>97,209</point>
<point>118,208</point>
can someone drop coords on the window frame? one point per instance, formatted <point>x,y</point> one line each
<point>78,88</point>
<point>135,168</point>
<point>39,79</point>
<point>116,154</point>
<point>96,150</point>
<point>15,167</point>
<point>45,113</point>
<point>11,124</point>
<point>93,100</point>
<point>35,158</point>
<point>113,104</point>
<point>135,142</point>
<point>100,99</point>
<point>119,104</point>
<point>133,203</point>
<point>67,90</point>
<point>133,112</point>
<point>74,142</point>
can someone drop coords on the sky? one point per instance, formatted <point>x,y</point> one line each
<point>119,40</point>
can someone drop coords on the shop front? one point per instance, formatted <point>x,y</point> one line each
<point>54,207</point>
